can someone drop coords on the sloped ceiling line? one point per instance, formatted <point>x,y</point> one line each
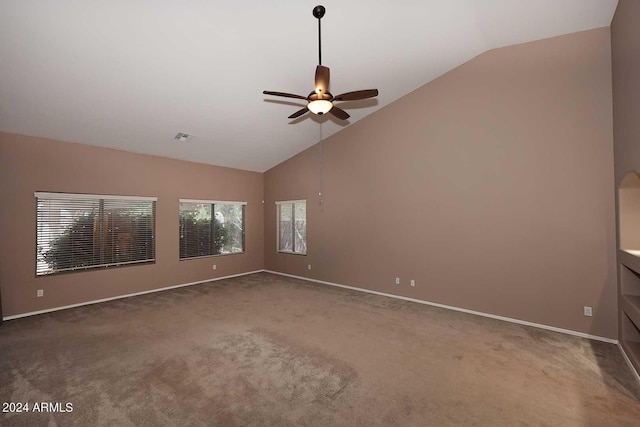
<point>130,74</point>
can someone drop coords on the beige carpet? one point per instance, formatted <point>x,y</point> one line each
<point>264,350</point>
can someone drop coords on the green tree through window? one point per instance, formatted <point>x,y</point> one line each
<point>210,228</point>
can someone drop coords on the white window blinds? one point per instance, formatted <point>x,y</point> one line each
<point>292,226</point>
<point>82,231</point>
<point>209,227</point>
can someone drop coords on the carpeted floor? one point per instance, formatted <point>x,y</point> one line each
<point>264,350</point>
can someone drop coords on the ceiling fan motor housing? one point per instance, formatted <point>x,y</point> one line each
<point>313,96</point>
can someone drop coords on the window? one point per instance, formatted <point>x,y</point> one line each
<point>211,228</point>
<point>82,231</point>
<point>292,226</point>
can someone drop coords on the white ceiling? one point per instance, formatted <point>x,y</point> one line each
<point>130,74</point>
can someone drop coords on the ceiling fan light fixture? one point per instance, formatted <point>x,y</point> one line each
<point>320,106</point>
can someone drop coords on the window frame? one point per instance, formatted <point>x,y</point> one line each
<point>293,228</point>
<point>100,199</point>
<point>213,203</point>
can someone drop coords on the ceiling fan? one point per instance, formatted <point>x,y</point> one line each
<point>320,101</point>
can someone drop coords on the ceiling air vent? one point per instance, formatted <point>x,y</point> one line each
<point>183,137</point>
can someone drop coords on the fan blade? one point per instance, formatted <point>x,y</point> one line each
<point>357,95</point>
<point>322,79</point>
<point>299,113</point>
<point>339,113</point>
<point>286,95</point>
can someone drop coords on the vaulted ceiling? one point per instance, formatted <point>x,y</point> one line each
<point>131,74</point>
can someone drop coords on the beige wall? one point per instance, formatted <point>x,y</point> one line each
<point>625,42</point>
<point>491,186</point>
<point>32,164</point>
<point>625,52</point>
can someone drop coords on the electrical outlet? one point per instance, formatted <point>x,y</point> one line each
<point>39,293</point>
<point>588,311</point>
<point>215,266</point>
<point>309,267</point>
<point>397,280</point>
<point>413,282</point>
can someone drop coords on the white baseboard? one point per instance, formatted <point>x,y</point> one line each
<point>49,310</point>
<point>626,358</point>
<point>449,307</point>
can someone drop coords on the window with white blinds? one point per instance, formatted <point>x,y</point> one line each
<point>82,231</point>
<point>209,227</point>
<point>292,226</point>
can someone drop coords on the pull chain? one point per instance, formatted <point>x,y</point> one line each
<point>321,171</point>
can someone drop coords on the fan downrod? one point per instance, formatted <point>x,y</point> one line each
<point>319,11</point>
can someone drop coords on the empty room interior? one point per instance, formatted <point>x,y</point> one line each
<point>376,214</point>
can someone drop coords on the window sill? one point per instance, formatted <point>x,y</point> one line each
<point>212,256</point>
<point>293,253</point>
<point>97,267</point>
